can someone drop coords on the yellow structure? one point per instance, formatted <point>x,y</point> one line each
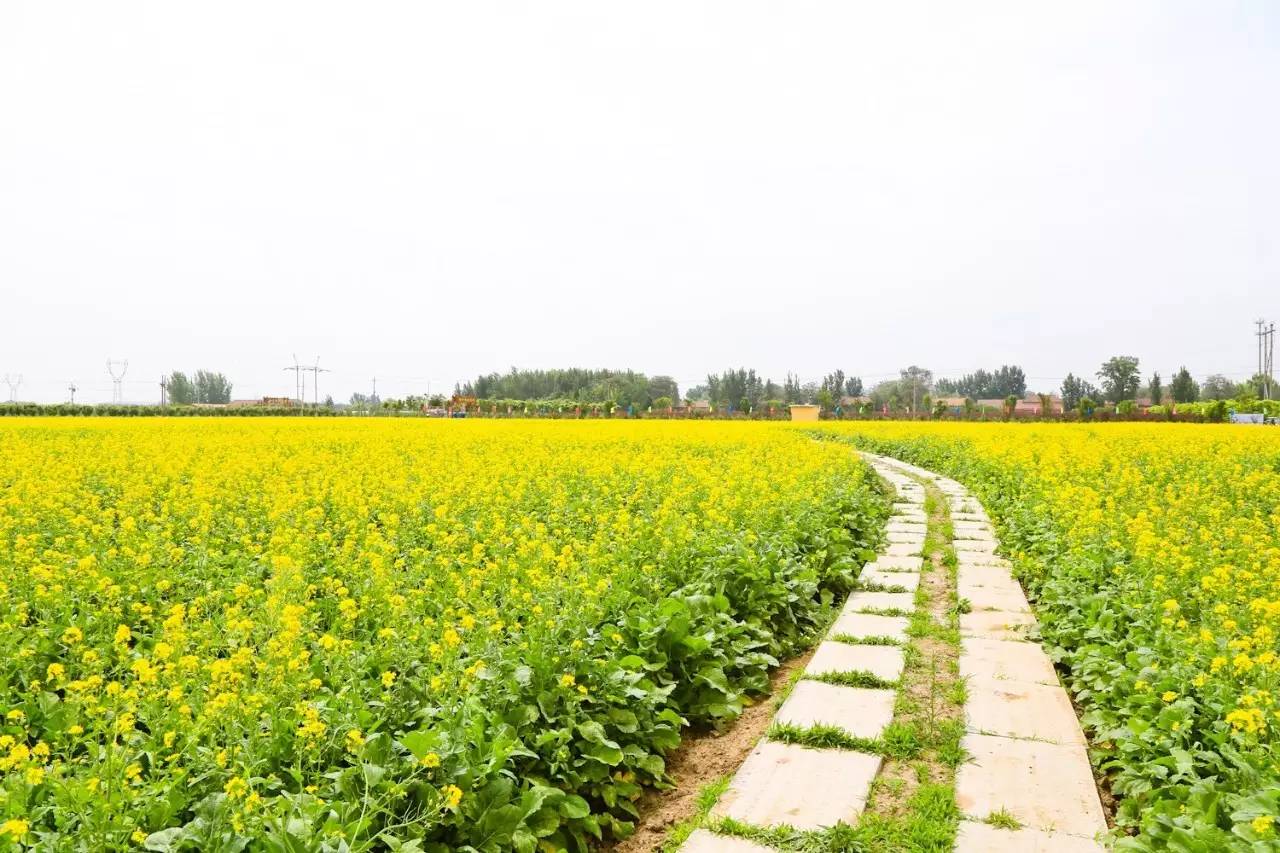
<point>805,413</point>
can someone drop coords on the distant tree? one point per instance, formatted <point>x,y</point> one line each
<point>986,385</point>
<point>1074,390</point>
<point>662,404</point>
<point>328,401</point>
<point>1010,404</point>
<point>1260,386</point>
<point>833,384</point>
<point>1046,404</point>
<point>662,386</point>
<point>914,383</point>
<point>792,391</point>
<point>853,386</point>
<point>1154,389</point>
<point>698,392</point>
<point>825,399</point>
<point>1217,387</point>
<point>1086,407</point>
<point>1120,378</point>
<point>436,401</point>
<point>182,392</point>
<point>1184,388</point>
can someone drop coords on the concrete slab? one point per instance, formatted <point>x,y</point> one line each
<point>985,546</point>
<point>863,625</point>
<point>996,625</point>
<point>1005,661</point>
<point>997,598</point>
<point>702,841</point>
<point>860,601</point>
<point>907,580</point>
<point>963,535</point>
<point>1019,709</point>
<point>1000,577</point>
<point>981,558</point>
<point>805,788</point>
<point>856,710</point>
<point>1044,785</point>
<point>906,538</point>
<point>984,838</point>
<point>895,564</point>
<point>968,515</point>
<point>971,526</point>
<point>881,661</point>
<point>902,549</point>
<point>898,526</point>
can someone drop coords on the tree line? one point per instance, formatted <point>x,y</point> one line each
<point>204,386</point>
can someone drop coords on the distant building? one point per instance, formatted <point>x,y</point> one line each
<point>700,406</point>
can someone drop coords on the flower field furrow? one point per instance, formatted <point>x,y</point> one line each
<point>344,635</point>
<point>1152,555</point>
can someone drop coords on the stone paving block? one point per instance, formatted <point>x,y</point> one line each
<point>978,526</point>
<point>882,661</point>
<point>859,601</point>
<point>984,838</point>
<point>915,528</point>
<point>985,546</point>
<point>895,564</point>
<point>981,558</point>
<point>964,515</point>
<point>907,580</point>
<point>805,788</point>
<point>1020,709</point>
<point>1005,660</point>
<point>970,575</point>
<point>702,841</point>
<point>903,549</point>
<point>1044,785</point>
<point>857,710</point>
<point>962,535</point>
<point>996,598</point>
<point>903,506</point>
<point>895,536</point>
<point>996,625</point>
<point>863,625</point>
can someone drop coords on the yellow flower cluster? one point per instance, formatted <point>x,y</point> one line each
<point>1153,551</point>
<point>244,608</point>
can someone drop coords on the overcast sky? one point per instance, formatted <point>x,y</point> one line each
<point>424,191</point>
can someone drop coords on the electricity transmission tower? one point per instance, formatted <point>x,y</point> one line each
<point>117,369</point>
<point>1266,335</point>
<point>316,370</point>
<point>164,390</point>
<point>299,381</point>
<point>13,382</point>
<point>71,386</point>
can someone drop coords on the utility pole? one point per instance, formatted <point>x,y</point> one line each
<point>1266,335</point>
<point>316,370</point>
<point>117,369</point>
<point>297,380</point>
<point>72,388</point>
<point>164,390</point>
<point>13,382</point>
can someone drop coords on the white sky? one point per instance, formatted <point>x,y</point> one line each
<point>425,191</point>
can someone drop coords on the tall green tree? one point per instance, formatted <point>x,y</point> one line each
<point>1184,389</point>
<point>1154,390</point>
<point>1120,378</point>
<point>853,386</point>
<point>182,392</point>
<point>914,383</point>
<point>212,387</point>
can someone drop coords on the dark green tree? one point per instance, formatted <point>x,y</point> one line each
<point>1154,390</point>
<point>1074,390</point>
<point>1183,388</point>
<point>1120,378</point>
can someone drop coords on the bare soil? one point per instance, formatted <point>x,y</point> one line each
<point>704,757</point>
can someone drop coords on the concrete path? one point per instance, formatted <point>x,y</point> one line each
<point>1027,764</point>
